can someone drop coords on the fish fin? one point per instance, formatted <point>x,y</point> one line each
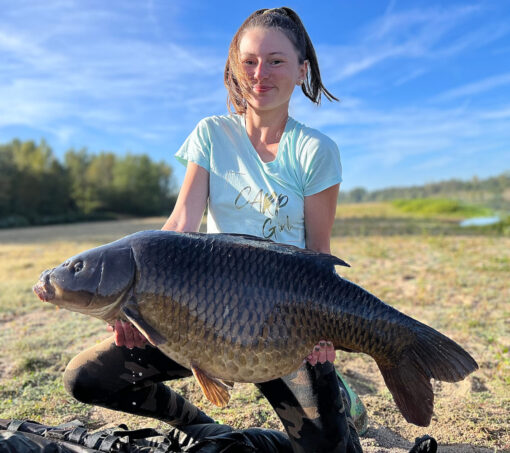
<point>411,390</point>
<point>325,258</point>
<point>431,355</point>
<point>215,390</point>
<point>130,311</point>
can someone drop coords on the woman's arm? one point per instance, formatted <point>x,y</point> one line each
<point>320,211</point>
<point>186,216</point>
<point>190,205</point>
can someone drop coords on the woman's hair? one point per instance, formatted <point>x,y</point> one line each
<point>288,22</point>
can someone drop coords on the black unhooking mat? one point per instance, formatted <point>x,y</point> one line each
<point>25,436</point>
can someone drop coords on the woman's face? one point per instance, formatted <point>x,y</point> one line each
<point>271,63</point>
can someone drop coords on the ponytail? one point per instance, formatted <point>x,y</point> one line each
<point>312,86</point>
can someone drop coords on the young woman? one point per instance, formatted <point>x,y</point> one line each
<point>259,172</point>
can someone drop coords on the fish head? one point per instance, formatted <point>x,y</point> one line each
<point>93,282</point>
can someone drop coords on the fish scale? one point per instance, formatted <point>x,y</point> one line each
<point>243,309</point>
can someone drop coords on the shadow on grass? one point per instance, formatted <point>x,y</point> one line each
<point>360,383</point>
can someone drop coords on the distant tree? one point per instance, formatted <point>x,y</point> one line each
<point>131,184</point>
<point>36,187</point>
<point>76,163</point>
<point>358,194</point>
<point>8,172</point>
<point>99,179</point>
<point>492,192</point>
<point>32,158</point>
<point>141,186</point>
<point>39,185</point>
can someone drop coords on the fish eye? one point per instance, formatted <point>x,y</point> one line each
<point>78,266</point>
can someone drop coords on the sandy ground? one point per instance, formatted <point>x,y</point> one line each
<point>383,440</point>
<point>378,439</point>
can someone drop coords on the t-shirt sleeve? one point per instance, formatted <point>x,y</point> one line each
<point>321,165</point>
<point>197,147</point>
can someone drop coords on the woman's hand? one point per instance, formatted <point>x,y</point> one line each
<point>125,334</point>
<point>324,351</point>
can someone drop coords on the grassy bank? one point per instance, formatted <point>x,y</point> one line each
<point>454,281</point>
<point>428,217</point>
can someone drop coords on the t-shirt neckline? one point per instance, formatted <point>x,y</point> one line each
<point>286,129</point>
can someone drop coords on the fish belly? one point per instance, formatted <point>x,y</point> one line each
<point>231,341</point>
<point>234,363</point>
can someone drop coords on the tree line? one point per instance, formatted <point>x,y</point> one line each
<point>493,192</point>
<point>36,188</point>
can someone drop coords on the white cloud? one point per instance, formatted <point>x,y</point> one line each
<point>418,34</point>
<point>414,74</point>
<point>390,137</point>
<point>480,86</point>
<point>94,66</point>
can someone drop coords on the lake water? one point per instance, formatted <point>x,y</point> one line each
<point>480,221</point>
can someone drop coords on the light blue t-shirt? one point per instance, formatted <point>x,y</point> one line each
<point>249,196</point>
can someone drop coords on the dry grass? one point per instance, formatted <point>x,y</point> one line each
<point>455,283</point>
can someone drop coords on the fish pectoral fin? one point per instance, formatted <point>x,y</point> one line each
<point>215,390</point>
<point>130,311</point>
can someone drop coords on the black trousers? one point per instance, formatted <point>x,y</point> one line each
<point>308,401</point>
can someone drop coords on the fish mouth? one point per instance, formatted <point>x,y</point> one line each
<point>43,288</point>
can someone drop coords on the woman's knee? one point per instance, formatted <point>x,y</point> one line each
<point>84,383</point>
<point>77,384</point>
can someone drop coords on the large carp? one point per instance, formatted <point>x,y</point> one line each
<point>244,309</point>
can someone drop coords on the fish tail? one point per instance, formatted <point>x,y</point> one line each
<point>431,355</point>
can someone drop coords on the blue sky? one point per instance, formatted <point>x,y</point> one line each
<point>425,85</point>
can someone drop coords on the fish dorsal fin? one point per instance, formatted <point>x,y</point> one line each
<point>215,390</point>
<point>325,258</point>
<point>131,312</point>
